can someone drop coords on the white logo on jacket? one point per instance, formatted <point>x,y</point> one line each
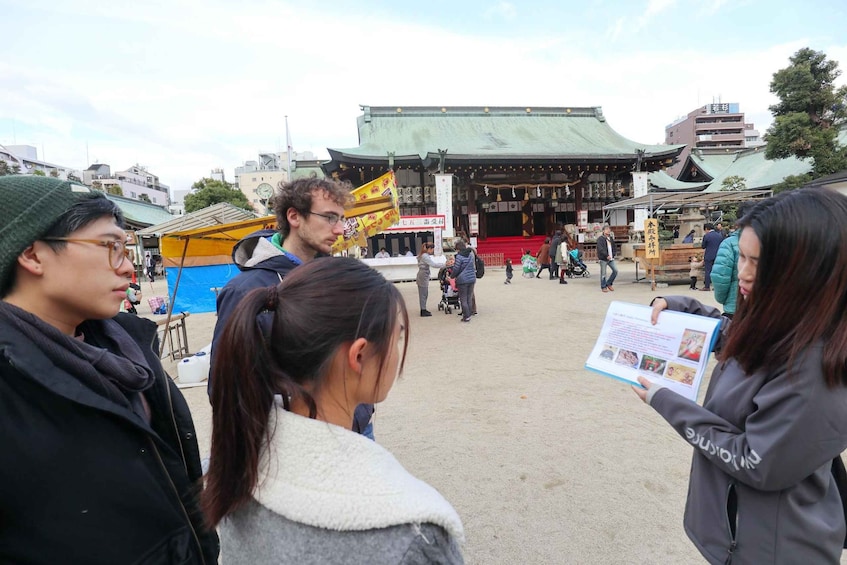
<point>748,462</point>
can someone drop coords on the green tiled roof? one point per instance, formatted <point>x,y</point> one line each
<point>663,181</point>
<point>140,212</point>
<point>502,133</point>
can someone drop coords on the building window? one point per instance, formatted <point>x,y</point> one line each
<point>254,179</point>
<point>132,194</point>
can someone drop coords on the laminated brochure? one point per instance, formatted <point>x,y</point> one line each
<point>673,353</point>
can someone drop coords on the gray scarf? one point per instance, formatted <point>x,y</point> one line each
<point>120,377</point>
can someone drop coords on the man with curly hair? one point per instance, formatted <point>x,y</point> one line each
<point>310,217</point>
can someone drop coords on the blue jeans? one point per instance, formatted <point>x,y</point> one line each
<point>611,265</point>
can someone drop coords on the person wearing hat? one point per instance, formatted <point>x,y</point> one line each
<point>99,461</point>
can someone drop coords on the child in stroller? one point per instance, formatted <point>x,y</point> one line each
<point>449,291</point>
<point>576,267</point>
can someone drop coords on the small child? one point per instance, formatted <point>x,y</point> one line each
<point>696,265</point>
<point>508,271</point>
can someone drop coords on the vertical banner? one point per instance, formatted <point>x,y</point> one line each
<point>639,188</point>
<point>444,201</point>
<point>438,241</point>
<point>651,238</point>
<point>473,223</point>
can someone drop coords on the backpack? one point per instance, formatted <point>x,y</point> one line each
<point>479,266</point>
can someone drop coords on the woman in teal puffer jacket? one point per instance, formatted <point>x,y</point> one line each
<point>725,274</point>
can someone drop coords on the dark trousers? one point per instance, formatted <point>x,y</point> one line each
<point>708,279</point>
<point>693,283</point>
<point>465,294</point>
<point>545,266</point>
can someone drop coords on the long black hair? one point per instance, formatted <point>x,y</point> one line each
<point>799,296</point>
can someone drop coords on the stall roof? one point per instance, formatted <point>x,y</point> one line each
<point>215,215</point>
<point>682,199</point>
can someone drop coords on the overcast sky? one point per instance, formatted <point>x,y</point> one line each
<point>185,86</point>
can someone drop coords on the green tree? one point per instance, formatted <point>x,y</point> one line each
<point>734,182</point>
<point>809,113</point>
<point>54,173</point>
<point>39,173</point>
<point>791,182</point>
<point>114,189</point>
<point>5,169</point>
<point>144,198</point>
<point>208,192</point>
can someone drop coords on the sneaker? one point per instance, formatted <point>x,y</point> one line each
<point>706,289</point>
<point>563,281</point>
<point>425,313</point>
<point>605,289</point>
<point>610,287</point>
<point>466,319</point>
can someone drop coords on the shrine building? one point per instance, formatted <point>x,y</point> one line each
<point>516,171</point>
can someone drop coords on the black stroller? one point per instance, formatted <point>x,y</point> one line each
<point>576,267</point>
<point>449,295</point>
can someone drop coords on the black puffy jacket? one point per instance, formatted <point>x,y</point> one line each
<point>85,480</point>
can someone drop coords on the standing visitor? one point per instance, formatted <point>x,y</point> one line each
<point>99,461</point>
<point>293,482</point>
<point>149,267</point>
<point>509,271</point>
<point>554,254</point>
<point>543,257</point>
<point>606,256</point>
<point>464,271</point>
<point>769,436</point>
<point>426,259</point>
<point>711,243</point>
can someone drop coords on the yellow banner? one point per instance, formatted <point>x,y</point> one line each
<point>651,238</point>
<point>358,228</point>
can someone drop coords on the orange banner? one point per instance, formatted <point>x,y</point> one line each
<point>358,228</point>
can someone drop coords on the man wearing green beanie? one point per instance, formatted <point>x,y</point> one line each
<point>99,461</point>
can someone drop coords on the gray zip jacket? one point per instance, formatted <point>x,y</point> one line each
<point>327,495</point>
<point>761,490</point>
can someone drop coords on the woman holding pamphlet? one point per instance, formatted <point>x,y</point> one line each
<point>767,440</point>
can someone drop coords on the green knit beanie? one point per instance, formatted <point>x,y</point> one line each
<point>29,207</point>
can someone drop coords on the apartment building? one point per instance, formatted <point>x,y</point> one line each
<point>719,125</point>
<point>24,159</point>
<point>132,182</point>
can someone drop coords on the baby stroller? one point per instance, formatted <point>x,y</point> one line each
<point>449,293</point>
<point>576,267</point>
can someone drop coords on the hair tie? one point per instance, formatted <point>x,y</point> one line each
<point>272,299</point>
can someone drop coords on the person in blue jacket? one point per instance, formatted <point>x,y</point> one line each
<point>768,438</point>
<point>310,217</point>
<point>464,271</point>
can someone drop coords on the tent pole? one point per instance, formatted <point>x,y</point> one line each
<point>173,296</point>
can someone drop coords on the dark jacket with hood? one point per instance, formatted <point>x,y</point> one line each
<point>263,265</point>
<point>84,479</point>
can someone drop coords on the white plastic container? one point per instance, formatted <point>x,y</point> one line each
<point>193,369</point>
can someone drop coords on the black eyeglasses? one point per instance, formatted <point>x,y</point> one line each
<point>117,249</point>
<point>331,218</point>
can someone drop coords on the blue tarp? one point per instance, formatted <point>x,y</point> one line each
<point>196,287</point>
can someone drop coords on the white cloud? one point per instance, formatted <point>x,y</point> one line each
<point>211,86</point>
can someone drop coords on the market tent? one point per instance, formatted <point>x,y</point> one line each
<point>198,261</point>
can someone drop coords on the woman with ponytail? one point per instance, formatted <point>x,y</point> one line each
<point>288,481</point>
